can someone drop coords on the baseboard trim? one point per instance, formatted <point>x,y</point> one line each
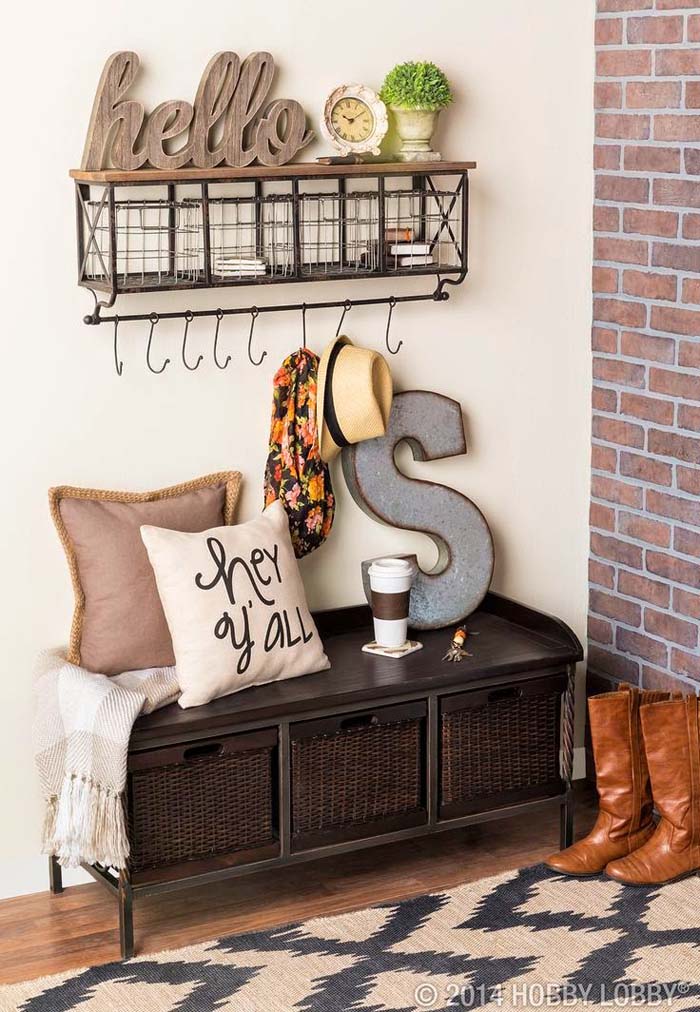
<point>24,875</point>
<point>579,770</point>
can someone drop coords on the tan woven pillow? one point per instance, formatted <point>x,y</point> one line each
<point>235,604</point>
<point>118,621</point>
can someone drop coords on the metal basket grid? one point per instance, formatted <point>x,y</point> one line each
<point>339,233</point>
<point>427,226</point>
<point>251,236</point>
<point>158,242</point>
<point>252,232</point>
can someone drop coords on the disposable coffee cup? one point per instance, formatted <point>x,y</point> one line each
<point>390,590</point>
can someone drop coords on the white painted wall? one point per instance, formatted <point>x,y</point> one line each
<point>511,345</point>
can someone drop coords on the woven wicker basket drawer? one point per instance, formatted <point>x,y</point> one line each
<point>358,774</point>
<point>201,799</point>
<point>498,746</point>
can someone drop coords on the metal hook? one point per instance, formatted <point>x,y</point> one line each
<point>219,318</point>
<point>154,318</point>
<point>303,326</point>
<point>347,305</point>
<point>392,351</point>
<point>189,317</point>
<point>254,313</point>
<point>118,364</point>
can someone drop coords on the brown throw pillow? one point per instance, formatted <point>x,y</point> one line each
<point>118,622</point>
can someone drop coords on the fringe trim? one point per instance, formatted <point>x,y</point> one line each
<point>49,828</point>
<point>86,822</point>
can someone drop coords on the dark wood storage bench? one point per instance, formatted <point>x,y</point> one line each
<point>372,751</point>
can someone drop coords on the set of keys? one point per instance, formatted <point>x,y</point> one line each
<point>457,653</point>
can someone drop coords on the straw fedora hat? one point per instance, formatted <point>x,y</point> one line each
<point>354,396</point>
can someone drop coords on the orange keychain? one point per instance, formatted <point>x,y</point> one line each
<point>457,652</point>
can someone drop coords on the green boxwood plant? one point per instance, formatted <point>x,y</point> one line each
<point>416,86</point>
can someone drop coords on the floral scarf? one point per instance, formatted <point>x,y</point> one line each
<point>294,471</point>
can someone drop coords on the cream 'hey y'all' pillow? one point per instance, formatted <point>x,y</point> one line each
<point>235,605</point>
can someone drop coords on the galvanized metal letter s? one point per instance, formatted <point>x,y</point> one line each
<point>432,426</point>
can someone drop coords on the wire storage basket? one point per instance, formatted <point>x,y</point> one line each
<point>182,235</point>
<point>251,236</point>
<point>154,243</point>
<point>339,233</point>
<point>423,230</point>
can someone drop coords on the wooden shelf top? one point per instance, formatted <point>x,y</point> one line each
<point>514,641</point>
<point>301,170</point>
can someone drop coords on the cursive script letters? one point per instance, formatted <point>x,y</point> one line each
<point>214,94</point>
<point>169,119</point>
<point>227,123</point>
<point>254,84</point>
<point>279,632</point>
<point>243,581</point>
<point>226,571</point>
<point>226,627</point>
<point>115,123</point>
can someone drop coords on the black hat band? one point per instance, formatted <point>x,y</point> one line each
<point>329,415</point>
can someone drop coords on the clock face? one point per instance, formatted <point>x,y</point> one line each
<point>352,120</point>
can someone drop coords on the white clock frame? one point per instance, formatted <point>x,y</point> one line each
<point>378,109</point>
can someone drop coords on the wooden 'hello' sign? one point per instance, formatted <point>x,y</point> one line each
<point>226,124</point>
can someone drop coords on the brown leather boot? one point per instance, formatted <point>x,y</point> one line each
<point>672,743</point>
<point>625,818</point>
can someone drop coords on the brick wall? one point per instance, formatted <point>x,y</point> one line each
<point>645,508</point>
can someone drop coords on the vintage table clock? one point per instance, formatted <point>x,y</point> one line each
<point>355,120</point>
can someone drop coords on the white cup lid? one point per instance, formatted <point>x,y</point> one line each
<point>391,567</point>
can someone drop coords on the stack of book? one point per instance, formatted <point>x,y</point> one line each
<point>238,267</point>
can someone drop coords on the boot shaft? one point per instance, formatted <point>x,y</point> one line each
<point>672,743</point>
<point>622,775</point>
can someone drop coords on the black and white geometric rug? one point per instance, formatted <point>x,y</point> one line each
<point>524,940</point>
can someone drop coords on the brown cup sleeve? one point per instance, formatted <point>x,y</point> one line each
<point>390,606</point>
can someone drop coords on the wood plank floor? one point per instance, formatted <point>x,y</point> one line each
<point>42,934</point>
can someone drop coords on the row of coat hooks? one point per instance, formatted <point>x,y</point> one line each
<point>153,319</point>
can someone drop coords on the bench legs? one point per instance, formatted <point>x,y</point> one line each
<point>566,824</point>
<point>55,876</point>
<point>121,888</point>
<point>126,916</point>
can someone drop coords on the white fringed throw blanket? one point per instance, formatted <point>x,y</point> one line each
<point>82,725</point>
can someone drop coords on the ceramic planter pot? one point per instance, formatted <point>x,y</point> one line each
<point>416,127</point>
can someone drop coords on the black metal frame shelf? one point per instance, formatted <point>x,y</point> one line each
<point>148,231</point>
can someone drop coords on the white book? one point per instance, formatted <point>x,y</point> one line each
<point>412,248</point>
<point>239,262</point>
<point>238,272</point>
<point>415,261</point>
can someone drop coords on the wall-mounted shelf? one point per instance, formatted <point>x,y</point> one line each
<point>300,170</point>
<point>153,231</point>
